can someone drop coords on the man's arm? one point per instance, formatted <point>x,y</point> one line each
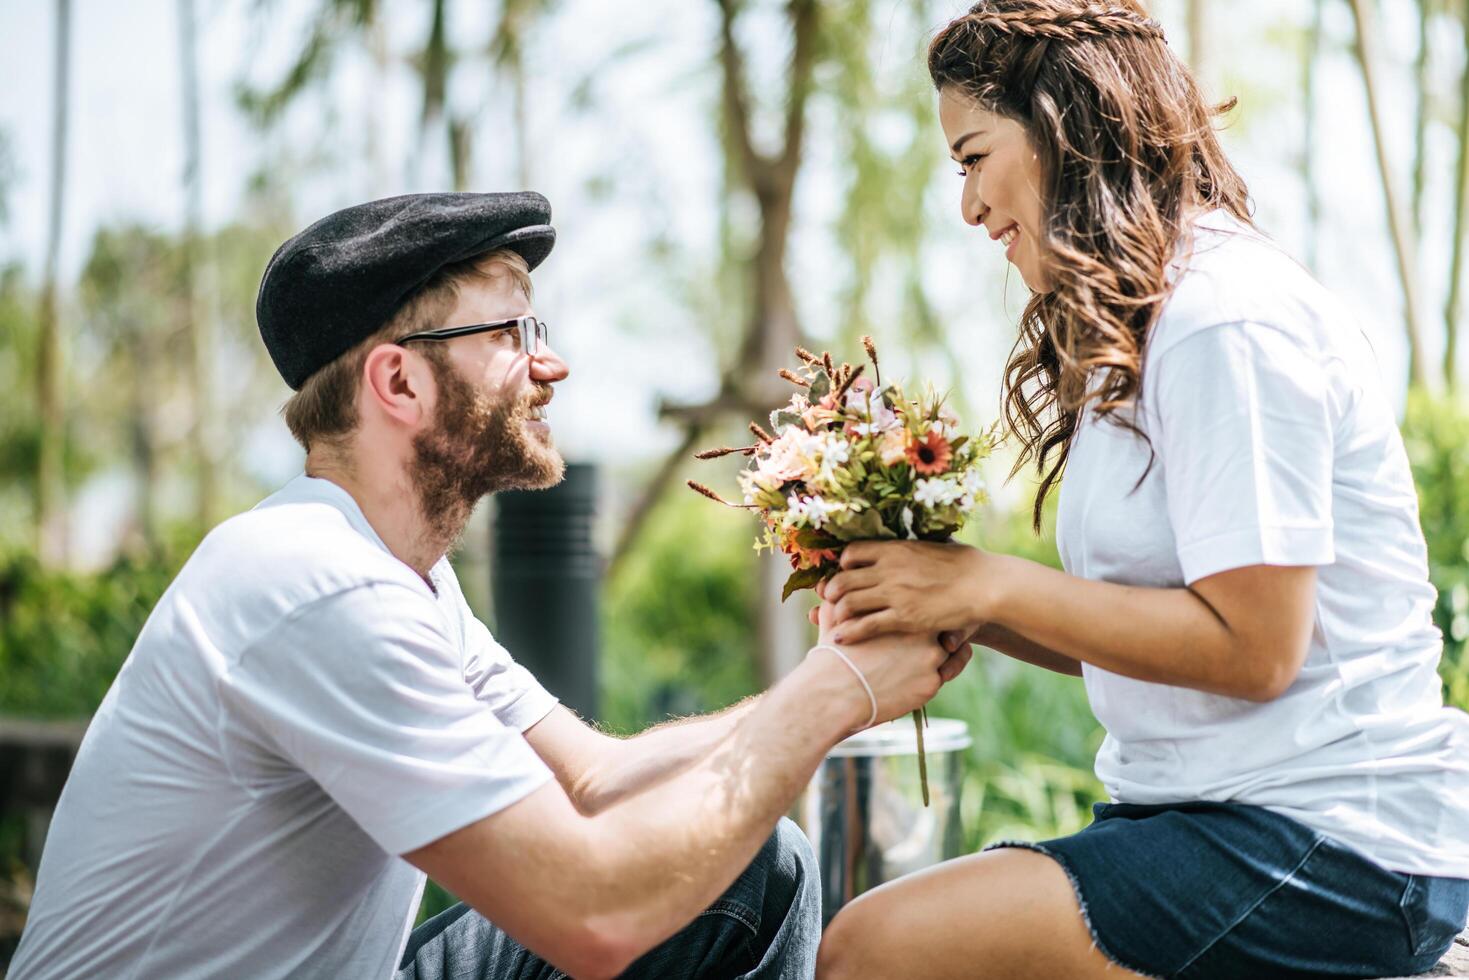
<point>592,893</point>
<point>597,770</point>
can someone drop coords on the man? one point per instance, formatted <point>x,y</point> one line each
<point>312,699</point>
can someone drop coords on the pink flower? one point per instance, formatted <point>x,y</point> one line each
<point>894,447</point>
<point>788,457</point>
<point>858,392</point>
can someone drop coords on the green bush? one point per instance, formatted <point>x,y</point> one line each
<point>63,635</point>
<point>677,619</point>
<point>1436,435</point>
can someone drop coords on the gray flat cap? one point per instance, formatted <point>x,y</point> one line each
<point>341,279</point>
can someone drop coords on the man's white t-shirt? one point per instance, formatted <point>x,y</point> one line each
<point>1275,445</point>
<point>300,709</point>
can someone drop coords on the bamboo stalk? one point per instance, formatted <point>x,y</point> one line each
<point>1398,221</point>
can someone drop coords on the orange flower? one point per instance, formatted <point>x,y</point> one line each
<point>930,455</point>
<point>804,557</point>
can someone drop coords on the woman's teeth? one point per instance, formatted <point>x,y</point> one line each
<point>1010,236</point>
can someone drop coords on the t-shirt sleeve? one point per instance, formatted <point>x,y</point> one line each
<point>510,690</point>
<point>364,692</point>
<point>1244,425</point>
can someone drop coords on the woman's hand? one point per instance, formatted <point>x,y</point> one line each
<point>909,587</point>
<point>958,644</point>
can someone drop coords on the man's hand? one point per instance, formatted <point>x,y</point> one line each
<point>957,645</point>
<point>901,668</point>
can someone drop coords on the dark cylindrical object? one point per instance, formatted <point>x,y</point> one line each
<point>546,581</point>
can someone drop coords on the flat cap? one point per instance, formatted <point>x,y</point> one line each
<point>340,280</point>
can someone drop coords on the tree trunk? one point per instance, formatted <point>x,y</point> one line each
<point>51,525</point>
<point>1422,81</point>
<point>141,353</point>
<point>1308,138</point>
<point>1198,44</point>
<point>772,329</point>
<point>199,282</point>
<point>1397,216</point>
<point>1456,260</point>
<point>372,110</point>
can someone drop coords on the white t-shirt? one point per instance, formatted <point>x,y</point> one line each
<point>1275,445</point>
<point>300,709</point>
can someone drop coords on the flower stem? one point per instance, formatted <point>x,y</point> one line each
<point>922,757</point>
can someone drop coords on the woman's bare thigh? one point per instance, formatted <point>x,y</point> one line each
<point>1004,913</point>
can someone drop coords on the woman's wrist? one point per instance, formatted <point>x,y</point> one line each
<point>986,582</point>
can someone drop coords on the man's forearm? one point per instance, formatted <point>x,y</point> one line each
<point>669,851</point>
<point>632,765</point>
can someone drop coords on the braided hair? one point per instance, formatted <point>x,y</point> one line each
<point>1125,145</point>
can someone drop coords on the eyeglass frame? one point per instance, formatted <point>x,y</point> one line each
<point>534,332</point>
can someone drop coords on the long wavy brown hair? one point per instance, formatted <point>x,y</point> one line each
<point>1126,147</point>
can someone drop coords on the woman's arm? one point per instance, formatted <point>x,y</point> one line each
<point>1012,644</point>
<point>1242,633</point>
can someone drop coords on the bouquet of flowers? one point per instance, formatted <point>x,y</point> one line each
<point>850,459</point>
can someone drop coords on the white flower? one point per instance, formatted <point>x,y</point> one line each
<point>753,482</point>
<point>945,428</point>
<point>834,451</point>
<point>973,481</point>
<point>972,485</point>
<point>812,511</point>
<point>936,492</point>
<point>907,516</point>
<point>819,510</point>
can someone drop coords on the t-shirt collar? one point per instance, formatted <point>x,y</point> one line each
<point>308,489</point>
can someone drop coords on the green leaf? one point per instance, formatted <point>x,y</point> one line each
<point>957,443</point>
<point>820,388</point>
<point>802,578</point>
<point>779,419</point>
<point>866,526</point>
<point>808,537</point>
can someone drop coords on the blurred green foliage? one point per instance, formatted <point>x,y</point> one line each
<point>676,621</point>
<point>1436,434</point>
<point>64,635</point>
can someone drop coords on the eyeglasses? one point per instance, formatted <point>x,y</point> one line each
<point>530,333</point>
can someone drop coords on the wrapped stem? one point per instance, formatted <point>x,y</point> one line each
<point>918,719</point>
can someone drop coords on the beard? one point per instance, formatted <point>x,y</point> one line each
<point>477,446</point>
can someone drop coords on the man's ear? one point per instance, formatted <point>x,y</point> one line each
<point>398,384</point>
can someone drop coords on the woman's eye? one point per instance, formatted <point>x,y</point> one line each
<point>968,162</point>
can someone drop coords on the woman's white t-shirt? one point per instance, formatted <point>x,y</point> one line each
<point>1275,445</point>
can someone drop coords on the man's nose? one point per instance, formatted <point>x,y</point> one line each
<point>547,365</point>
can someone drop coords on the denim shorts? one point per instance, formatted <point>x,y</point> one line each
<point>1216,890</point>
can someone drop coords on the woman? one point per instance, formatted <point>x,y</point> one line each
<point>1246,587</point>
